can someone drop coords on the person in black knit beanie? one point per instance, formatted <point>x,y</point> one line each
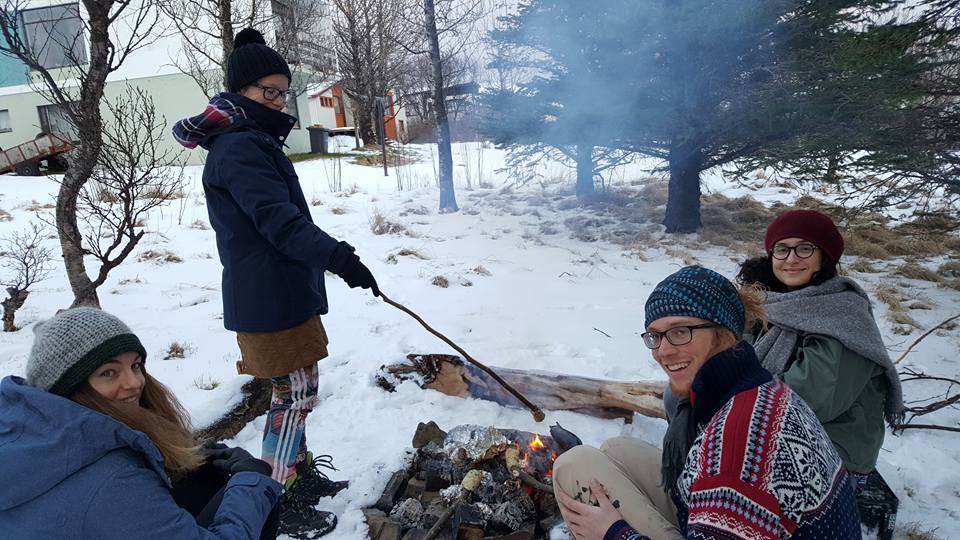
<point>274,258</point>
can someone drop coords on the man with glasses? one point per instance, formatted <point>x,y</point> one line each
<point>274,258</point>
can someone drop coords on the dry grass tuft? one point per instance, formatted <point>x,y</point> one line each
<point>863,265</point>
<point>912,531</point>
<point>5,216</point>
<point>440,281</point>
<point>890,296</point>
<point>338,210</point>
<point>950,270</point>
<point>35,206</point>
<point>381,225</point>
<point>163,195</point>
<point>159,256</point>
<point>200,225</point>
<point>205,382</point>
<point>177,350</point>
<point>481,271</point>
<point>915,271</point>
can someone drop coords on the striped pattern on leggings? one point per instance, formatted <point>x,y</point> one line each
<point>284,441</point>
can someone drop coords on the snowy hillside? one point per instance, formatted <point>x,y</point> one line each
<point>535,282</point>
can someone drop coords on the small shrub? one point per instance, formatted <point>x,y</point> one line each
<point>159,256</point>
<point>5,216</point>
<point>889,296</point>
<point>338,210</point>
<point>316,202</point>
<point>176,350</point>
<point>381,225</point>
<point>913,531</point>
<point>440,281</point>
<point>200,225</point>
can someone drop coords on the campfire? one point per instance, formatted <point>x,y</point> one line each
<point>471,483</point>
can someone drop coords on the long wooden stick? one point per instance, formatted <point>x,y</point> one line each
<point>537,413</point>
<point>925,334</point>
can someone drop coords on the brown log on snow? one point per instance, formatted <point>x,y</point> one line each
<point>597,397</point>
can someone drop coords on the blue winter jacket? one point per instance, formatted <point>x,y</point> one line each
<point>68,472</point>
<point>273,255</point>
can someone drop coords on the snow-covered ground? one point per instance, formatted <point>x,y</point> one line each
<point>547,301</point>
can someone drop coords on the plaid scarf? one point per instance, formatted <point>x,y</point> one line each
<point>220,114</point>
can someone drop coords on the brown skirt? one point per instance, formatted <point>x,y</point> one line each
<point>275,354</point>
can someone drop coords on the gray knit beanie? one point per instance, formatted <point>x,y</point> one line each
<point>73,344</point>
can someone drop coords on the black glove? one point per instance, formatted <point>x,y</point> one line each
<point>358,275</point>
<point>235,460</point>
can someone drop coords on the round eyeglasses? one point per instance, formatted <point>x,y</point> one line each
<point>803,251</point>
<point>270,93</point>
<point>678,335</point>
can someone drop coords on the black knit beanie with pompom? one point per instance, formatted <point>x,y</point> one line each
<point>251,60</point>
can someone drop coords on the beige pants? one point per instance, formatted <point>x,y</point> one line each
<point>629,469</point>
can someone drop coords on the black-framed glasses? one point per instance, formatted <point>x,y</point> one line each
<point>270,93</point>
<point>803,251</point>
<point>678,335</point>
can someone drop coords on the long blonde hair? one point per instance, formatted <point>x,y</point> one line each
<point>160,417</point>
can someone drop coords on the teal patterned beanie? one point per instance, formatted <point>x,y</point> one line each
<point>73,344</point>
<point>695,291</point>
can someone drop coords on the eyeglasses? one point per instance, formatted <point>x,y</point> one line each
<point>803,251</point>
<point>678,335</point>
<point>270,93</point>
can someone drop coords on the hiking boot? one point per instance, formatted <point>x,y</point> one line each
<point>310,484</point>
<point>303,522</point>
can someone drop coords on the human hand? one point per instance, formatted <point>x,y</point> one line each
<point>585,521</point>
<point>356,274</point>
<point>235,460</point>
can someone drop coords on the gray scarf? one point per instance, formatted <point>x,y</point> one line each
<point>837,308</point>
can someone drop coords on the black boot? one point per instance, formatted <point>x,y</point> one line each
<point>299,517</point>
<point>311,484</point>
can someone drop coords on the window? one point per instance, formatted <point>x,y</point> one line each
<point>5,121</point>
<point>326,102</point>
<point>55,35</point>
<point>54,119</point>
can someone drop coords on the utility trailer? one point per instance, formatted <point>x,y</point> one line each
<point>24,159</point>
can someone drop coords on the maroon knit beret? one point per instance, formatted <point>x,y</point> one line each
<point>809,225</point>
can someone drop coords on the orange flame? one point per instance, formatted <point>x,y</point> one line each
<point>536,444</point>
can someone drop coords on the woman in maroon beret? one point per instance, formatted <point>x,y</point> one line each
<point>822,339</point>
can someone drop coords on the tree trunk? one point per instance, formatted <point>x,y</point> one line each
<point>448,196</point>
<point>683,195</point>
<point>585,187</point>
<point>226,35</point>
<point>89,124</point>
<point>10,307</point>
<point>449,375</point>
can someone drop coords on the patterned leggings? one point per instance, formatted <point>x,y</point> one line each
<point>284,441</point>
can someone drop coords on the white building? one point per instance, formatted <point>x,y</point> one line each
<point>25,112</point>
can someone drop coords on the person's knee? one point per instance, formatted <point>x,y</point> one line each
<point>573,463</point>
<point>623,449</point>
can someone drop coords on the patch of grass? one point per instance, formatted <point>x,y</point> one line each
<point>177,350</point>
<point>200,225</point>
<point>914,531</point>
<point>918,305</point>
<point>159,256</point>
<point>34,206</point>
<point>381,225</point>
<point>863,265</point>
<point>916,271</point>
<point>5,216</point>
<point>950,270</point>
<point>308,156</point>
<point>316,202</point>
<point>440,281</point>
<point>162,195</point>
<point>405,252</point>
<point>205,382</point>
<point>338,210</point>
<point>481,271</point>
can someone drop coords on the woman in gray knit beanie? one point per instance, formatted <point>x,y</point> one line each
<point>96,446</point>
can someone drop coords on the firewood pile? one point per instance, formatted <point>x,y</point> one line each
<point>472,483</point>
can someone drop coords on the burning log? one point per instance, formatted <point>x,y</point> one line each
<point>597,397</point>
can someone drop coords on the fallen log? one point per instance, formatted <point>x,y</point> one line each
<point>449,374</point>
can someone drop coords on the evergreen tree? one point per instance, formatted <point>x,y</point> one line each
<point>702,83</point>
